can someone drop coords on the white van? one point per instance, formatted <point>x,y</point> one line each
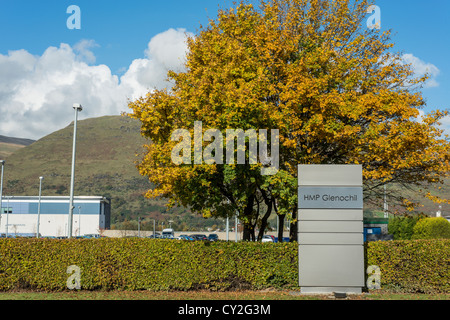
<point>167,233</point>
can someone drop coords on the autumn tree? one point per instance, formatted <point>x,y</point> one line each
<point>311,69</point>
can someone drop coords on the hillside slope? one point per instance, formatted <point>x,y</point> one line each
<point>18,141</point>
<point>107,148</point>
<point>9,145</point>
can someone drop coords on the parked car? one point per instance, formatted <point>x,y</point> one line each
<point>185,237</point>
<point>268,238</point>
<point>199,237</point>
<point>167,236</point>
<point>92,236</point>
<point>157,235</point>
<point>213,237</point>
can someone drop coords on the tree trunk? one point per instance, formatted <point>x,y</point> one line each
<point>280,227</point>
<point>294,226</point>
<point>249,229</point>
<point>264,220</point>
<point>247,234</point>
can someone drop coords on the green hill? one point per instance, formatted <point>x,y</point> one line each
<point>17,141</point>
<point>9,145</point>
<point>107,148</point>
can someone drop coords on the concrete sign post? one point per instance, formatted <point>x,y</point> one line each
<point>330,234</point>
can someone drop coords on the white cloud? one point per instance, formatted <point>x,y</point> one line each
<point>83,49</point>
<point>165,51</point>
<point>420,116</point>
<point>37,92</point>
<point>421,68</point>
<point>445,125</point>
<point>444,122</point>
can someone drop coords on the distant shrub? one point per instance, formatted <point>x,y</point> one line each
<point>402,227</point>
<point>432,228</point>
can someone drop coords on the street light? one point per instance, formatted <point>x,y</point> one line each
<point>154,228</point>
<point>236,226</point>
<point>7,215</point>
<point>39,206</point>
<point>77,108</point>
<point>139,227</point>
<point>2,162</point>
<point>79,221</point>
<point>227,226</point>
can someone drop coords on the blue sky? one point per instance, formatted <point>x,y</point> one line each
<point>121,28</point>
<point>43,63</point>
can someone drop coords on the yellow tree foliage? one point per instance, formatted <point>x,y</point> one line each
<point>311,69</point>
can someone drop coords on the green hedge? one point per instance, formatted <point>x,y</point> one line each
<point>412,265</point>
<point>148,264</point>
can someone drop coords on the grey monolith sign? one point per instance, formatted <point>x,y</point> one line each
<point>330,228</point>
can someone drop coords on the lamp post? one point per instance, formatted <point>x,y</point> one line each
<point>227,226</point>
<point>39,206</point>
<point>77,108</point>
<point>7,216</point>
<point>139,227</point>
<point>2,162</point>
<point>79,221</point>
<point>236,227</point>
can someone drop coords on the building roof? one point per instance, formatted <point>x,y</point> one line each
<point>55,198</point>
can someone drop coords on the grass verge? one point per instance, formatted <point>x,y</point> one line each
<point>208,295</point>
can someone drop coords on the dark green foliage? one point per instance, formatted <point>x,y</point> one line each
<point>412,266</point>
<point>148,264</point>
<point>401,227</point>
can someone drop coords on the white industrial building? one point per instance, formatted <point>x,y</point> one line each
<point>19,216</point>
